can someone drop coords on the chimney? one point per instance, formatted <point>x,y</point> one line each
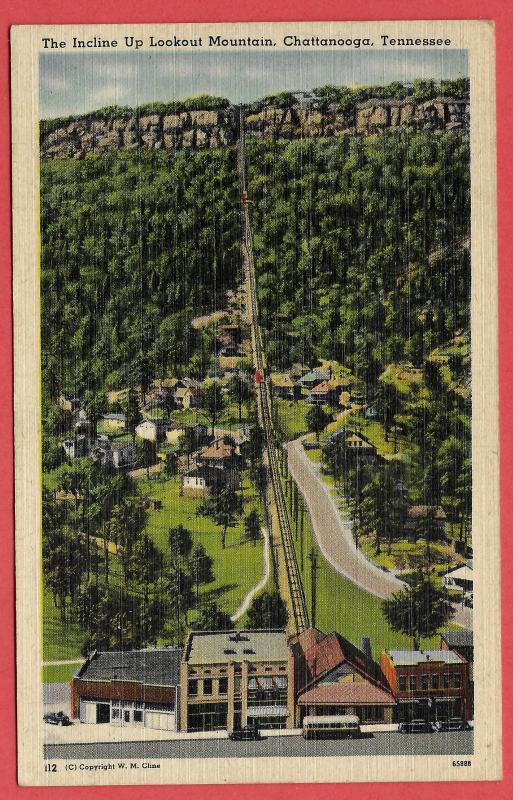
<point>366,647</point>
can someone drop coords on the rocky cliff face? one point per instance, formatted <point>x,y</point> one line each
<point>190,129</point>
<point>365,118</point>
<point>209,129</point>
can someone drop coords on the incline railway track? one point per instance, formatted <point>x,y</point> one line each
<point>297,595</point>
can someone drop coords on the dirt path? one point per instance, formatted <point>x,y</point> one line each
<point>261,583</point>
<point>334,533</point>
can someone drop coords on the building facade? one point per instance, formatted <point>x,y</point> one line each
<point>428,684</point>
<point>136,688</point>
<point>333,677</point>
<point>230,679</point>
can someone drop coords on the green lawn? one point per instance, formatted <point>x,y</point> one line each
<point>291,416</point>
<point>59,673</point>
<point>229,416</point>
<point>236,568</point>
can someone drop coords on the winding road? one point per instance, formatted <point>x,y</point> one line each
<point>333,533</point>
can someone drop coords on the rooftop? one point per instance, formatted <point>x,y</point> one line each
<point>154,667</point>
<point>463,572</point>
<point>215,647</point>
<point>408,658</point>
<point>419,512</point>
<point>218,449</point>
<point>318,654</point>
<point>353,692</point>
<point>458,638</point>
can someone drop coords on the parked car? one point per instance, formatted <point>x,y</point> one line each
<point>451,724</point>
<point>416,726</point>
<point>249,733</point>
<point>57,718</point>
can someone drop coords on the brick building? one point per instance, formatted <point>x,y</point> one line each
<point>138,687</point>
<point>232,678</point>
<point>428,684</point>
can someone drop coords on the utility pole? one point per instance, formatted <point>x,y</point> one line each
<point>301,538</point>
<point>313,578</point>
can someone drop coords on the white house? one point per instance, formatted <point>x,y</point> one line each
<point>153,429</point>
<point>460,578</point>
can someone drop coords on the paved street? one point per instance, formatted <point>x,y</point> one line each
<point>460,743</point>
<point>333,532</point>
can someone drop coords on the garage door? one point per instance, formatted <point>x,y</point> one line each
<point>159,720</point>
<point>87,711</point>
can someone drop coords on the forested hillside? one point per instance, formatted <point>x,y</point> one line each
<point>133,246</point>
<point>362,247</point>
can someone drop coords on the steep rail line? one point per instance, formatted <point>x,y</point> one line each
<point>297,596</point>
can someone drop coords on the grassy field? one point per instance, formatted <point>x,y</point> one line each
<point>59,673</point>
<point>291,416</point>
<point>236,568</point>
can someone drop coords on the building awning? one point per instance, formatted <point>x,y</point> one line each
<point>268,711</point>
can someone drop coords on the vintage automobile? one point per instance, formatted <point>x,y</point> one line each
<point>248,734</point>
<point>57,718</point>
<point>415,726</point>
<point>451,724</point>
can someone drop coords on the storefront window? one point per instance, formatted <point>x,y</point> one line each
<point>207,686</point>
<point>207,716</point>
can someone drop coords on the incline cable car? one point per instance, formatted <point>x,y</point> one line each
<point>258,377</point>
<point>244,198</point>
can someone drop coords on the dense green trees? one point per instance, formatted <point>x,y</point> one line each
<point>361,246</point>
<point>419,611</point>
<point>252,526</point>
<point>267,611</point>
<point>362,256</point>
<point>133,246</point>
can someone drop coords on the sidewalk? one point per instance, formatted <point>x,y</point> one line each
<point>80,733</point>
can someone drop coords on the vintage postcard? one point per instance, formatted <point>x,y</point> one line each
<point>256,403</point>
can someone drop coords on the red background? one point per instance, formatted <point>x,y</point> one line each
<point>144,11</point>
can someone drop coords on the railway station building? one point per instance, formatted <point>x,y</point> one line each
<point>230,679</point>
<point>333,677</point>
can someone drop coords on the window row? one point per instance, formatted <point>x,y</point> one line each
<point>194,686</point>
<point>426,682</point>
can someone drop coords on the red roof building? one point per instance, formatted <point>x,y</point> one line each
<point>332,676</point>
